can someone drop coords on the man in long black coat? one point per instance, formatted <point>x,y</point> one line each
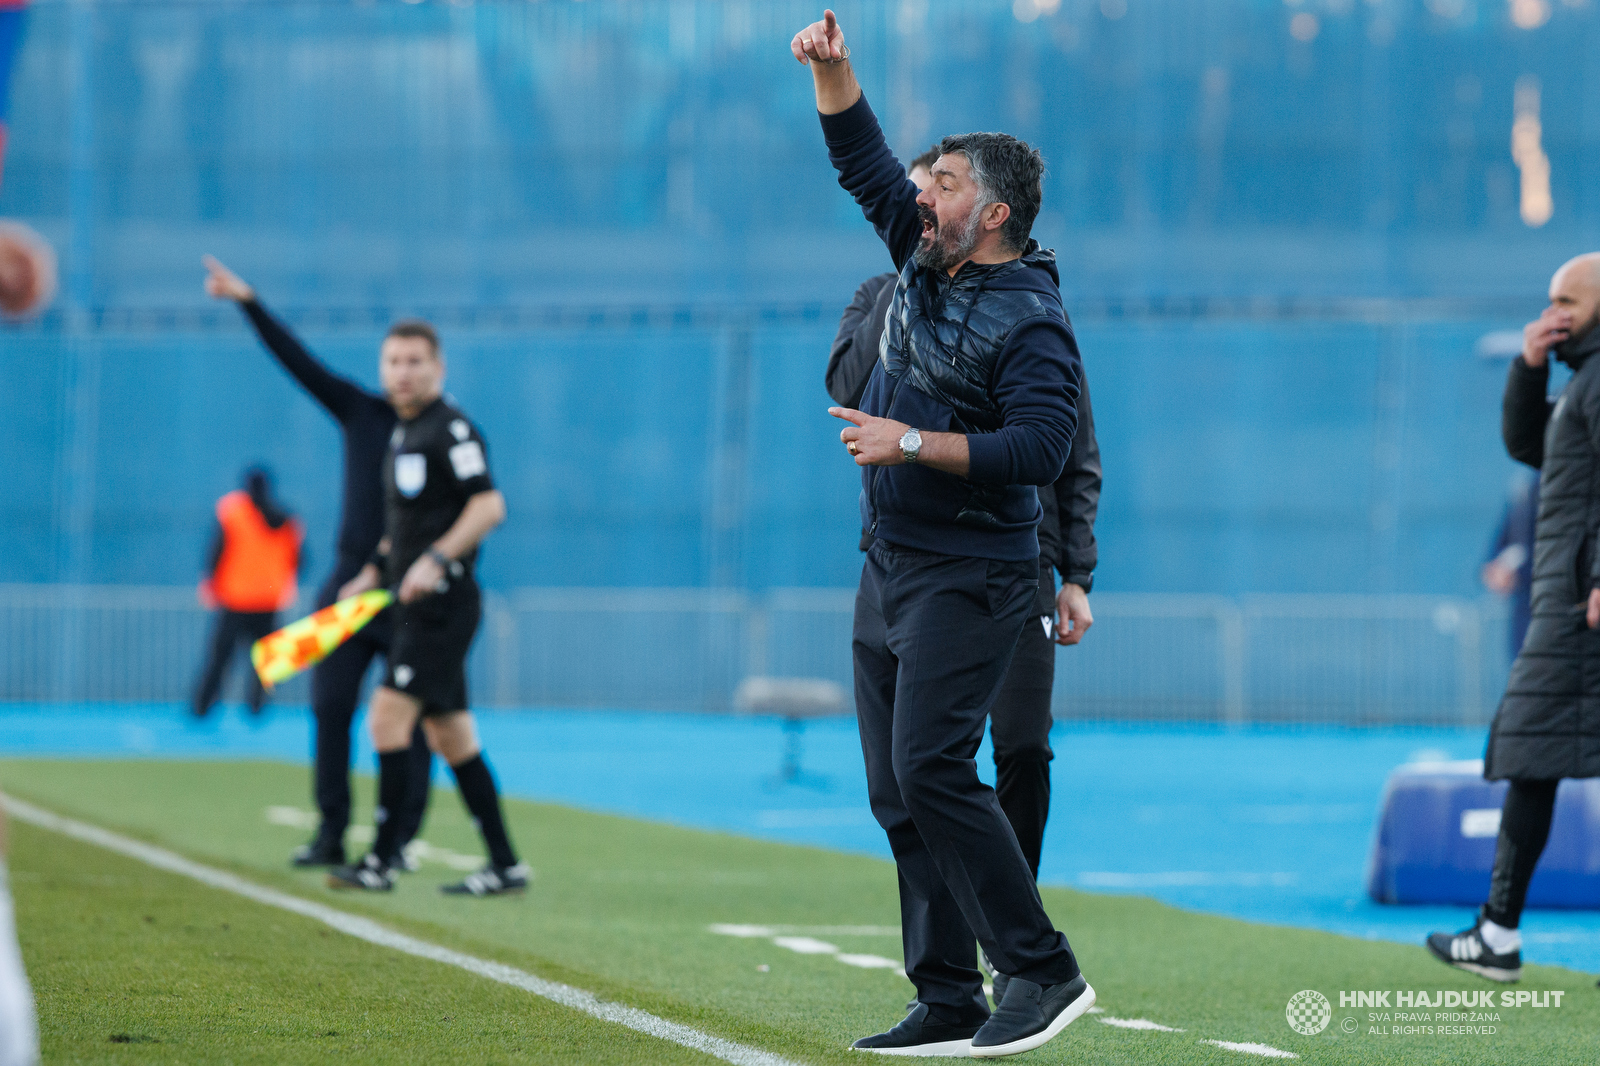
<point>1548,724</point>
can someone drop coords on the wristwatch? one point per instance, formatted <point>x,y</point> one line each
<point>450,566</point>
<point>910,445</point>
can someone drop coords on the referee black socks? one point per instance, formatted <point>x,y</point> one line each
<point>391,798</point>
<point>477,789</point>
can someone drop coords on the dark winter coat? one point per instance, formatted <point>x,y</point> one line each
<point>1548,724</point>
<point>1068,507</point>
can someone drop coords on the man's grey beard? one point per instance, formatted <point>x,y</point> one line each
<point>940,254</point>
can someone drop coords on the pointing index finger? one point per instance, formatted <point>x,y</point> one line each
<point>849,414</point>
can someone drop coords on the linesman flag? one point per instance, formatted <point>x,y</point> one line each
<point>301,645</point>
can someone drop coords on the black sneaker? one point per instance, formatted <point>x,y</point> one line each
<point>369,874</point>
<point>1031,1015</point>
<point>319,853</point>
<point>921,1034</point>
<point>1467,951</point>
<point>491,881</point>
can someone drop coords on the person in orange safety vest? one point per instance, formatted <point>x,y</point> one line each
<point>256,553</point>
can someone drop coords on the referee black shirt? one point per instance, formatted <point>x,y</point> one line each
<point>436,462</point>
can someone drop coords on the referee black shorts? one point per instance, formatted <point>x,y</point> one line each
<point>428,650</point>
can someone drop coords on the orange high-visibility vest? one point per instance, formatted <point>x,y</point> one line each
<point>257,569</point>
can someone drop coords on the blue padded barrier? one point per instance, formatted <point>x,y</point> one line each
<point>1436,839</point>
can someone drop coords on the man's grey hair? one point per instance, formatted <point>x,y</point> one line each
<point>1006,171</point>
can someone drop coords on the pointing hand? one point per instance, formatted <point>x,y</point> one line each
<point>224,284</point>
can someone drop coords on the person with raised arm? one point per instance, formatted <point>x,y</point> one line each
<point>366,422</point>
<point>971,405</point>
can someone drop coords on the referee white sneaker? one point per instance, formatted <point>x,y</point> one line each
<point>1466,950</point>
<point>369,874</point>
<point>492,880</point>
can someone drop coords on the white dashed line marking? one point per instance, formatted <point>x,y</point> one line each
<point>1137,1023</point>
<point>790,936</point>
<point>1252,1049</point>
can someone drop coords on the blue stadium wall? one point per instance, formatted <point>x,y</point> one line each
<point>1282,244</point>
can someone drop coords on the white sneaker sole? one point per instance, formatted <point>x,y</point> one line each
<point>1493,973</point>
<point>1078,1008</point>
<point>945,1049</point>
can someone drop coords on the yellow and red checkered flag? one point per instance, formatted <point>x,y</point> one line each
<point>303,644</point>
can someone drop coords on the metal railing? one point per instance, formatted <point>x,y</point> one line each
<point>1340,659</point>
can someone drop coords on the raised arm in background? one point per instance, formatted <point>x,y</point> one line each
<point>335,392</point>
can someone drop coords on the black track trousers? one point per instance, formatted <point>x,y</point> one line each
<point>932,639</point>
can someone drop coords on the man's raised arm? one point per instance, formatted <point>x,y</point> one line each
<point>335,392</point>
<point>821,45</point>
<point>868,170</point>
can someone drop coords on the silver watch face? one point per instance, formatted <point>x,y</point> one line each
<point>910,445</point>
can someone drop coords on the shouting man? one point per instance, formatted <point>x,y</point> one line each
<point>971,405</point>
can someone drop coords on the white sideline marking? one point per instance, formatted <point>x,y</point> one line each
<point>1137,1023</point>
<point>1252,1049</point>
<point>370,931</point>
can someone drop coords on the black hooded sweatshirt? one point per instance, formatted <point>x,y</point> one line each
<point>1035,383</point>
<point>1066,530</point>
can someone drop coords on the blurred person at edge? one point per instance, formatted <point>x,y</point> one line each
<point>1509,569</point>
<point>1545,728</point>
<point>19,1032</point>
<point>27,281</point>
<point>1019,723</point>
<point>256,554</point>
<point>27,264</point>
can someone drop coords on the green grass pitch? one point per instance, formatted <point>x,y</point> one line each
<point>132,964</point>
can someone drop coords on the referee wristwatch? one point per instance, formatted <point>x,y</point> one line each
<point>911,445</point>
<point>450,566</point>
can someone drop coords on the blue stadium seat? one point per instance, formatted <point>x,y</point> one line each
<point>1436,838</point>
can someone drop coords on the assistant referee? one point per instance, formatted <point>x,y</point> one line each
<point>439,504</point>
